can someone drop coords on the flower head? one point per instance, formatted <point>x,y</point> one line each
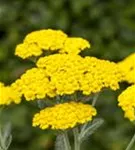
<point>128,68</point>
<point>25,50</point>
<point>64,116</point>
<point>65,74</point>
<point>8,95</point>
<point>34,84</point>
<point>70,73</point>
<point>127,102</point>
<point>49,40</point>
<point>74,45</point>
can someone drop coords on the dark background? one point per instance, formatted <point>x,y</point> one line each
<point>109,25</point>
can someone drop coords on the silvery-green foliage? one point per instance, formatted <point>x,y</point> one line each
<point>90,128</point>
<point>5,137</point>
<point>59,143</point>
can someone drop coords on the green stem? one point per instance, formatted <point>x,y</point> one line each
<point>131,143</point>
<point>84,127</point>
<point>95,99</point>
<point>66,141</point>
<point>93,104</point>
<point>77,143</point>
<point>1,109</point>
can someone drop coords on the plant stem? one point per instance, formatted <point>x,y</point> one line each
<point>77,143</point>
<point>1,109</point>
<point>131,143</point>
<point>84,127</point>
<point>66,141</point>
<point>95,99</point>
<point>93,104</point>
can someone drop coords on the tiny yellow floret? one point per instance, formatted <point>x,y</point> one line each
<point>64,116</point>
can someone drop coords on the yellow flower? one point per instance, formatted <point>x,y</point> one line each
<point>74,45</point>
<point>37,41</point>
<point>34,84</point>
<point>70,73</point>
<point>49,40</point>
<point>8,95</point>
<point>64,116</point>
<point>26,50</point>
<point>127,102</point>
<point>65,74</point>
<point>128,68</point>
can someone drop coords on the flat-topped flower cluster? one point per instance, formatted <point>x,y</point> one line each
<point>63,116</point>
<point>62,74</point>
<point>41,41</point>
<point>60,71</point>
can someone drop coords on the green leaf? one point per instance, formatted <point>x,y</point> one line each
<point>5,137</point>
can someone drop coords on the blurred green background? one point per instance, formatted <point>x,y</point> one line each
<point>108,25</point>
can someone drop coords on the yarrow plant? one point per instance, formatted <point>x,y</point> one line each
<point>66,85</point>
